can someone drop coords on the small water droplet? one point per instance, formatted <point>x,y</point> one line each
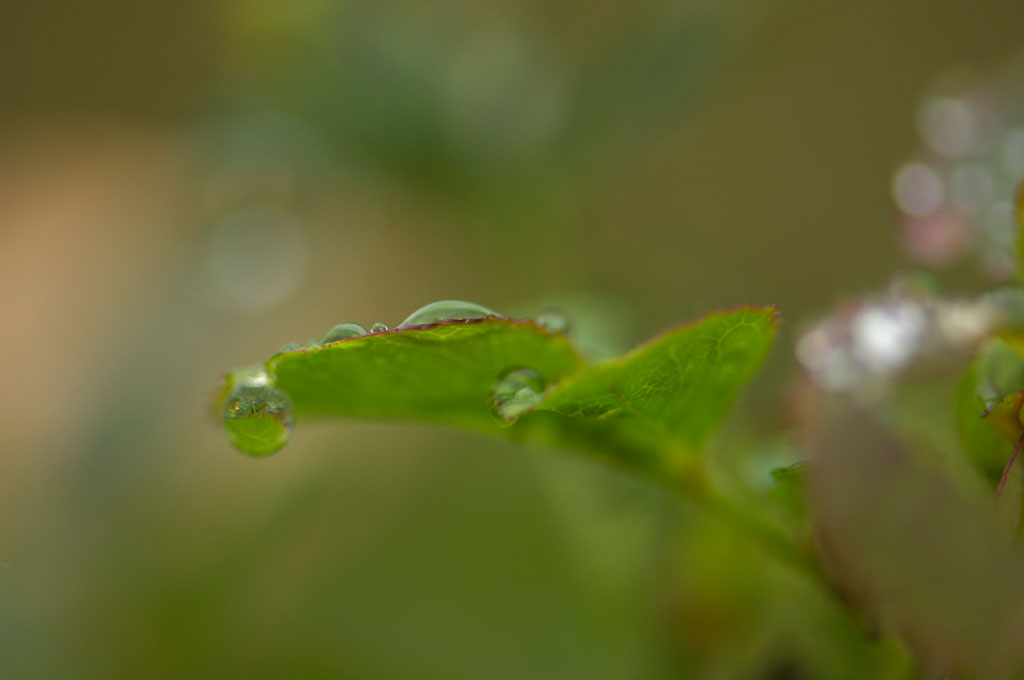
<point>343,331</point>
<point>552,321</point>
<point>378,327</point>
<point>258,419</point>
<point>447,310</point>
<point>517,391</point>
<point>291,347</point>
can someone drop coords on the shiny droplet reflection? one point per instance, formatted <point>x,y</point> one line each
<point>378,327</point>
<point>258,419</point>
<point>343,331</point>
<point>447,310</point>
<point>517,391</point>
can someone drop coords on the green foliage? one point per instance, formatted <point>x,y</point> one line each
<point>647,410</point>
<point>678,387</point>
<point>988,394</point>
<point>653,410</point>
<point>441,373</point>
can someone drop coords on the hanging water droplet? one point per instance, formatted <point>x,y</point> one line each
<point>552,321</point>
<point>518,391</point>
<point>291,347</point>
<point>447,310</point>
<point>258,419</point>
<point>343,331</point>
<point>378,327</point>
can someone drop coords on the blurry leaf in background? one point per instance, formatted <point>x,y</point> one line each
<point>477,108</point>
<point>737,613</point>
<point>920,556</point>
<point>997,372</point>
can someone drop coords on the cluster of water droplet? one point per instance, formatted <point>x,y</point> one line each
<point>552,321</point>
<point>865,343</point>
<point>957,193</point>
<point>258,415</point>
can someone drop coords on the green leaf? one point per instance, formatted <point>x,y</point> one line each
<point>679,386</point>
<point>917,552</point>
<point>988,407</point>
<point>443,373</point>
<point>989,404</point>
<point>644,410</point>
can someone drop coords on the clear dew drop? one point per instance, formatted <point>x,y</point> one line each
<point>517,391</point>
<point>552,321</point>
<point>447,310</point>
<point>258,418</point>
<point>378,327</point>
<point>292,347</point>
<point>343,331</point>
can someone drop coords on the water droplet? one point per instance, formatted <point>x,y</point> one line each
<point>258,419</point>
<point>552,321</point>
<point>291,347</point>
<point>918,189</point>
<point>343,331</point>
<point>518,391</point>
<point>378,327</point>
<point>447,310</point>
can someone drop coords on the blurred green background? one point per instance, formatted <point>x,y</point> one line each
<point>184,187</point>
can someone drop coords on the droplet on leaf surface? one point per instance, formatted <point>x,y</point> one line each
<point>518,391</point>
<point>447,310</point>
<point>343,331</point>
<point>378,327</point>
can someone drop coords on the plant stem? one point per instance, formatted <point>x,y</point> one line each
<point>1009,464</point>
<point>694,484</point>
